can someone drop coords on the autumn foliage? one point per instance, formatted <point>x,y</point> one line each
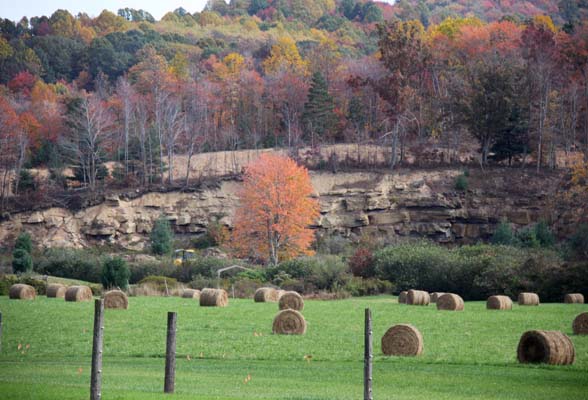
<point>275,210</point>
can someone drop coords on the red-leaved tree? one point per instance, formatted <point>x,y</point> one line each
<point>275,210</point>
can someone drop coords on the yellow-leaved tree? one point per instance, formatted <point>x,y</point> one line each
<point>276,209</point>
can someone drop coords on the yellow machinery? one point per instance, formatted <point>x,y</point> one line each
<point>181,256</point>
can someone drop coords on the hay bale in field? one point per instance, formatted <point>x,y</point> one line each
<point>580,324</point>
<point>116,299</point>
<point>402,297</point>
<point>418,298</point>
<point>279,294</point>
<point>435,296</point>
<point>499,303</point>
<point>402,340</point>
<point>265,295</point>
<point>450,302</point>
<point>572,298</point>
<point>56,290</point>
<point>214,298</point>
<point>289,322</point>
<point>528,299</point>
<point>21,291</point>
<point>78,293</point>
<point>550,347</point>
<point>191,294</point>
<point>292,301</point>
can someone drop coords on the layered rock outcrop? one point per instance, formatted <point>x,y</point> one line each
<point>390,205</point>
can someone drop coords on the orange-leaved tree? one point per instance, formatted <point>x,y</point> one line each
<point>275,211</point>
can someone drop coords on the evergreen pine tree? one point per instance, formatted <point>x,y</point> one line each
<point>319,116</point>
<point>161,237</point>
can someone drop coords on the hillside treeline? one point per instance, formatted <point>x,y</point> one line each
<point>80,91</point>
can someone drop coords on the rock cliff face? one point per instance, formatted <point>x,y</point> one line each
<point>401,204</point>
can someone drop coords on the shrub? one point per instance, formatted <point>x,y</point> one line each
<point>367,287</point>
<point>578,243</point>
<point>503,234</point>
<point>115,273</point>
<point>526,237</point>
<point>200,282</point>
<point>461,183</point>
<point>159,282</point>
<point>161,237</point>
<point>69,263</point>
<point>154,268</point>
<point>544,234</point>
<point>204,266</point>
<point>22,261</point>
<point>6,281</point>
<point>325,272</point>
<point>24,242</point>
<point>409,266</point>
<point>361,263</point>
<point>26,182</point>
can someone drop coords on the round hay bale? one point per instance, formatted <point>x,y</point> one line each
<point>528,299</point>
<point>116,299</point>
<point>435,296</point>
<point>450,302</point>
<point>580,324</point>
<point>574,298</point>
<point>550,347</point>
<point>21,291</point>
<point>191,294</point>
<point>56,290</point>
<point>402,297</point>
<point>418,298</point>
<point>499,303</point>
<point>78,293</point>
<point>265,295</point>
<point>289,322</point>
<point>402,340</point>
<point>214,298</point>
<point>292,301</point>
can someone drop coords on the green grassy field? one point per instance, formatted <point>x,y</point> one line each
<point>46,349</point>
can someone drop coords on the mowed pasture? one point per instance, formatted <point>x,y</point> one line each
<point>230,353</point>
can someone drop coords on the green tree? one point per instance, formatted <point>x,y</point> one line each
<point>22,262</point>
<point>503,234</point>
<point>24,242</point>
<point>161,237</point>
<point>544,234</point>
<point>319,116</point>
<point>115,273</point>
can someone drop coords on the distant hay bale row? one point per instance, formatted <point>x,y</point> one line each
<point>402,340</point>
<point>116,299</point>
<point>402,297</point>
<point>21,291</point>
<point>499,302</point>
<point>418,298</point>
<point>550,347</point>
<point>289,322</point>
<point>191,294</point>
<point>580,325</point>
<point>450,302</point>
<point>292,301</point>
<point>435,296</point>
<point>214,298</point>
<point>528,299</point>
<point>78,293</point>
<point>56,290</point>
<point>572,298</point>
<point>266,295</point>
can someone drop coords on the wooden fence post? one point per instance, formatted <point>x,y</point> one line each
<point>368,357</point>
<point>170,353</point>
<point>96,374</point>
